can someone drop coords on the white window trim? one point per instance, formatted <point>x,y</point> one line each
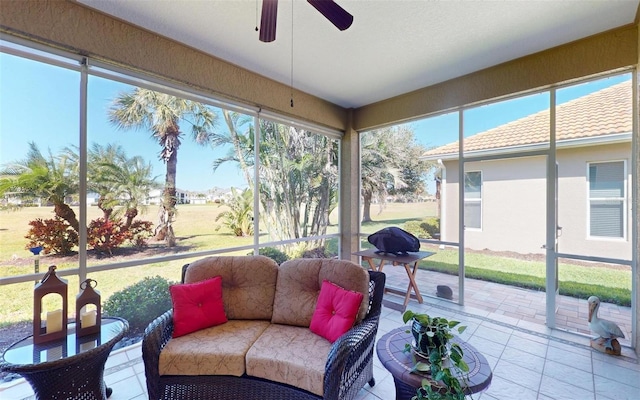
<point>623,198</point>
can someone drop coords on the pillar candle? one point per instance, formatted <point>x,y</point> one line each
<point>54,321</point>
<point>88,318</point>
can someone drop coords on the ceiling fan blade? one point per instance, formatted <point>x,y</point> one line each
<point>268,20</point>
<point>333,12</point>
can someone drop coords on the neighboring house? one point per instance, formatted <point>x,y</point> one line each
<point>219,195</point>
<point>197,198</point>
<point>155,197</point>
<point>505,199</point>
<point>92,198</point>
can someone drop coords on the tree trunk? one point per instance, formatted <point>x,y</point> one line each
<point>106,212</point>
<point>170,143</point>
<point>130,215</point>
<point>65,212</point>
<point>366,207</point>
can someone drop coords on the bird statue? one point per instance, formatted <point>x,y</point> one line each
<point>607,331</point>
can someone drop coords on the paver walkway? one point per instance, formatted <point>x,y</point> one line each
<point>516,305</point>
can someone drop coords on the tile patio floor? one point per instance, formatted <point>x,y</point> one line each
<point>506,324</point>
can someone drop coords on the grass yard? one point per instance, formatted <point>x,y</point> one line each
<point>197,230</point>
<point>16,299</point>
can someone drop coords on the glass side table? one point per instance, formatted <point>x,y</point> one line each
<point>68,368</point>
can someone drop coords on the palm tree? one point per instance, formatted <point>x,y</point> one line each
<point>298,180</point>
<point>119,181</point>
<point>134,184</point>
<point>379,167</point>
<point>162,115</point>
<point>99,160</point>
<point>53,179</point>
<point>241,143</point>
<point>239,216</point>
<point>298,175</point>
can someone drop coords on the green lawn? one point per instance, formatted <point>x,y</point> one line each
<point>195,228</point>
<point>612,285</point>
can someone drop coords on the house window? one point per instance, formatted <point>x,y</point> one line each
<point>607,199</point>
<point>473,199</point>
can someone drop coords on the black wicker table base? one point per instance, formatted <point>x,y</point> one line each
<point>80,381</point>
<point>63,369</point>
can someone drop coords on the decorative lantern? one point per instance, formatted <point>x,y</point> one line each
<point>55,326</point>
<point>88,321</point>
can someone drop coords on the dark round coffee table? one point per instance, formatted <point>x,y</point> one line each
<point>69,367</point>
<point>390,349</point>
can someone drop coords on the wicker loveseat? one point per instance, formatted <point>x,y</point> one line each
<point>266,350</point>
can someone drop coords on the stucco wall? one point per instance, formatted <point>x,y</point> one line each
<point>514,204</point>
<point>513,211</point>
<point>573,202</point>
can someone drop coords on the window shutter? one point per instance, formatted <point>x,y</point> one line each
<point>606,180</point>
<point>472,214</point>
<point>607,218</point>
<point>606,199</point>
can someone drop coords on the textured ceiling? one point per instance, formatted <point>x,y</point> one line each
<point>393,46</point>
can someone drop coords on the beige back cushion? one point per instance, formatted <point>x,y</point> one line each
<point>299,283</point>
<point>248,283</point>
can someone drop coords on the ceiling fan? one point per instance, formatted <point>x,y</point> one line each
<point>332,11</point>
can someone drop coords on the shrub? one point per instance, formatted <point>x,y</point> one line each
<point>140,303</point>
<point>276,255</point>
<point>415,228</point>
<point>139,232</point>
<point>431,226</point>
<point>239,217</point>
<point>318,252</point>
<point>105,235</point>
<point>54,235</point>
<point>428,228</point>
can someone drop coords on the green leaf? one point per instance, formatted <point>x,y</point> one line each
<point>422,367</point>
<point>439,376</point>
<point>408,315</point>
<point>407,347</point>
<point>463,366</point>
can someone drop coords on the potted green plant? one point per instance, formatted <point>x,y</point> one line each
<point>441,358</point>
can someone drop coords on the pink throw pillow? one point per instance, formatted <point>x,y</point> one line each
<point>335,312</point>
<point>197,306</point>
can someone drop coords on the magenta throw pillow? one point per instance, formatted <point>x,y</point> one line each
<point>197,306</point>
<point>335,312</point>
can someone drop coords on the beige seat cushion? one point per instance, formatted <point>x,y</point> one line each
<point>248,283</point>
<point>291,355</point>
<point>219,350</point>
<point>301,279</point>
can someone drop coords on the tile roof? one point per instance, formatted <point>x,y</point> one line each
<point>601,113</point>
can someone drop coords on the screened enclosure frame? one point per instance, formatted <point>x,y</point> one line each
<point>548,151</point>
<point>87,67</point>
